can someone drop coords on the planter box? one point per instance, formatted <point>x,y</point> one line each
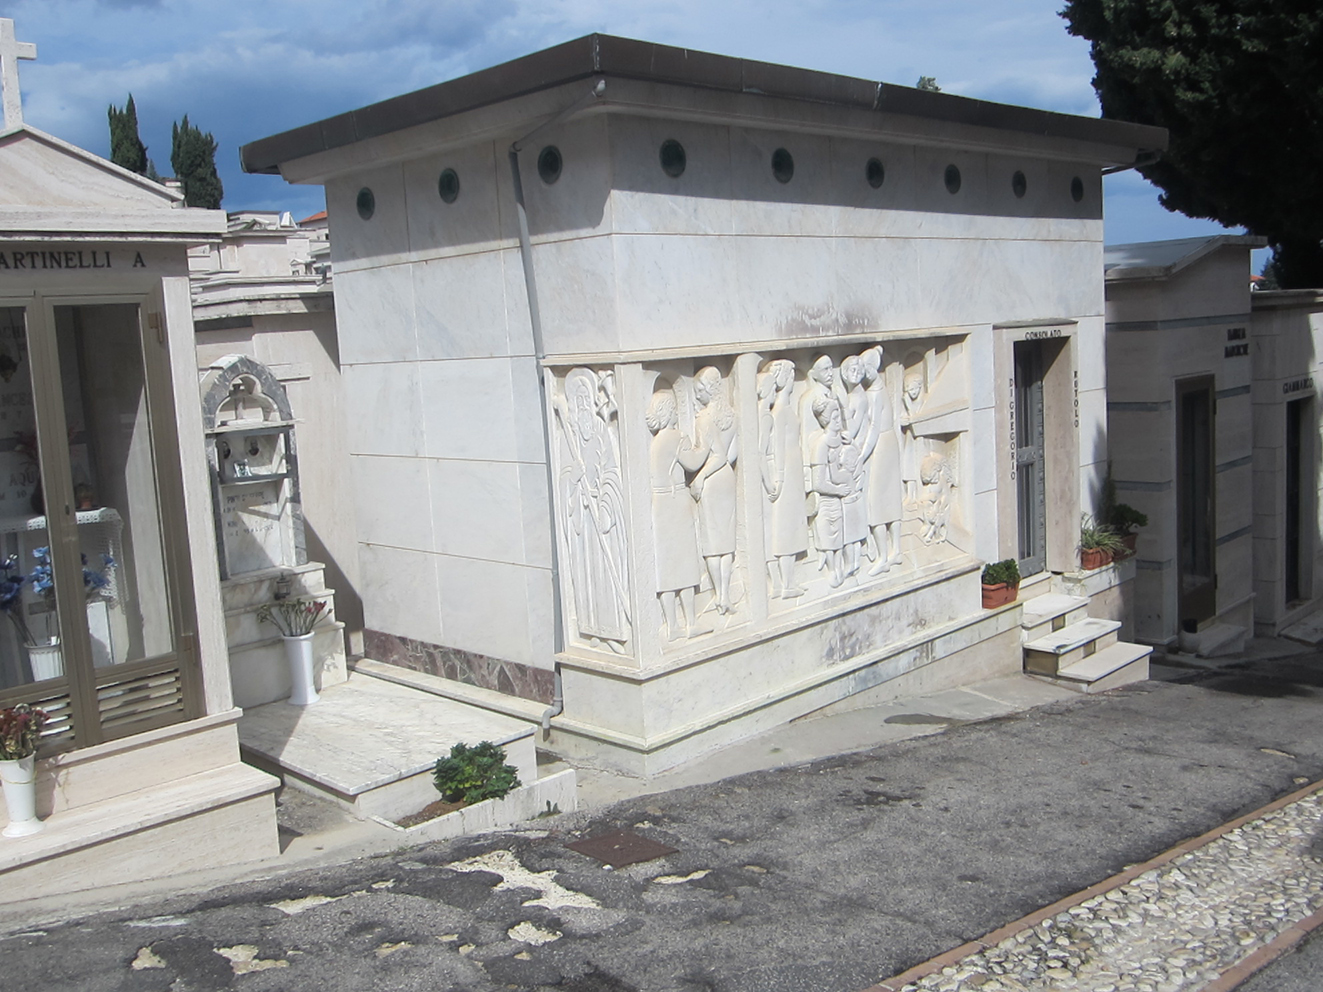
<point>1091,558</point>
<point>524,803</point>
<point>999,595</point>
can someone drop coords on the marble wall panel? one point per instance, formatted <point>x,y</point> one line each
<point>383,237</point>
<point>764,206</point>
<point>484,607</point>
<point>1235,419</point>
<point>863,211</point>
<point>472,222</point>
<point>393,501</point>
<point>577,289</point>
<point>1235,571</point>
<point>947,209</point>
<point>460,306</point>
<point>1234,509</point>
<point>878,279</point>
<point>476,508</point>
<point>469,667</point>
<point>986,544</point>
<point>1092,431</point>
<point>471,410</point>
<point>404,596</point>
<point>375,315</point>
<point>1091,352</point>
<point>786,288</point>
<point>987,448</point>
<point>676,291</point>
<point>535,513</point>
<point>645,200</point>
<point>384,409</point>
<point>578,204</point>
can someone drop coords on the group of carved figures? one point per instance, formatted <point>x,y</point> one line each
<point>838,465</point>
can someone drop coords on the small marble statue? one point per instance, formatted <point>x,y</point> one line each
<point>713,485</point>
<point>882,452</point>
<point>787,516</point>
<point>675,543</point>
<point>935,510</point>
<point>911,453</point>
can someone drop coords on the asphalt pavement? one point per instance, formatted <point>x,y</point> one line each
<point>829,874</point>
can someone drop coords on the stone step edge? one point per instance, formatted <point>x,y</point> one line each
<point>96,823</point>
<point>1116,657</point>
<point>460,692</point>
<point>1229,979</point>
<point>1033,617</point>
<point>1079,638</point>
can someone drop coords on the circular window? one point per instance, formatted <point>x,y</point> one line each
<point>1077,189</point>
<point>366,203</point>
<point>448,185</point>
<point>875,173</point>
<point>952,179</point>
<point>783,165</point>
<point>1019,184</point>
<point>672,158</point>
<point>549,164</point>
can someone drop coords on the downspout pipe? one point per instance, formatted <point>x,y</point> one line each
<point>544,387</point>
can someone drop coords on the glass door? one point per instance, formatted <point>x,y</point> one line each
<point>1030,457</point>
<point>93,582</point>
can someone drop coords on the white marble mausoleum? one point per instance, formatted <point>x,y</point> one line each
<point>688,394</point>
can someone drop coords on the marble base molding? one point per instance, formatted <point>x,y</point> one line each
<point>509,677</point>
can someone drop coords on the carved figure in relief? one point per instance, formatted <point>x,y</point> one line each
<point>679,566</point>
<point>594,506</point>
<point>882,453</point>
<point>857,419</point>
<point>819,382</point>
<point>784,481</point>
<point>831,481</point>
<point>911,453</point>
<point>713,485</point>
<point>935,510</point>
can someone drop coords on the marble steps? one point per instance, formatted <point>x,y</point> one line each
<point>1112,667</point>
<point>1049,654</point>
<point>144,834</point>
<point>1214,640</point>
<point>1050,612</point>
<point>371,744</point>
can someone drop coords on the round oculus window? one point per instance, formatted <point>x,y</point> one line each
<point>447,185</point>
<point>673,158</point>
<point>1019,185</point>
<point>952,179</point>
<point>783,165</point>
<point>549,164</point>
<point>1077,189</point>
<point>366,203</point>
<point>875,172</point>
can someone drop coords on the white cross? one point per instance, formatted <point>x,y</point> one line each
<point>11,50</point>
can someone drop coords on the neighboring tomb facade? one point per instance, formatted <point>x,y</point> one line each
<point>718,402</point>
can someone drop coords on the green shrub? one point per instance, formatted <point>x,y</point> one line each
<point>1126,518</point>
<point>472,774</point>
<point>995,573</point>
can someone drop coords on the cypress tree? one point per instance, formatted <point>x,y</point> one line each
<point>193,157</point>
<point>126,148</point>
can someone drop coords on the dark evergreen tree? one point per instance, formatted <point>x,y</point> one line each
<point>126,148</point>
<point>193,157</point>
<point>1239,86</point>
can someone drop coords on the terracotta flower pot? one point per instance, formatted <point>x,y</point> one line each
<point>1091,558</point>
<point>1130,541</point>
<point>999,595</point>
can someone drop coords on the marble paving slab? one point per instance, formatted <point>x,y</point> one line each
<point>1307,631</point>
<point>367,732</point>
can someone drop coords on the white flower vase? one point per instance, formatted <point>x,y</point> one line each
<point>303,689</point>
<point>19,778</point>
<point>47,660</point>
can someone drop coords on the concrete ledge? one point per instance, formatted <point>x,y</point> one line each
<point>556,792</point>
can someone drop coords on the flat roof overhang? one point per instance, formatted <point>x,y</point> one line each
<point>605,56</point>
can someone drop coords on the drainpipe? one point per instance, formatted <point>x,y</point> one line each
<point>544,390</point>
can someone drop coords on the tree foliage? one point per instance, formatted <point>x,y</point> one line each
<point>126,148</point>
<point>193,157</point>
<point>928,83</point>
<point>1239,86</point>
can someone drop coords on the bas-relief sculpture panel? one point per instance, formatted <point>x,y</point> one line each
<point>856,454</point>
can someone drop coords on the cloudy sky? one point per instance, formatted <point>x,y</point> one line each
<point>245,69</point>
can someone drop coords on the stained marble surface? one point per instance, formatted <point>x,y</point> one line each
<point>367,732</point>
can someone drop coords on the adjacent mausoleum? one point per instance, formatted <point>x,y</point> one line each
<point>116,629</point>
<point>690,394</point>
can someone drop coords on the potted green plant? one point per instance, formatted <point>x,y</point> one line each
<point>1099,544</point>
<point>472,774</point>
<point>1001,583</point>
<point>296,620</point>
<point>1124,520</point>
<point>20,729</point>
